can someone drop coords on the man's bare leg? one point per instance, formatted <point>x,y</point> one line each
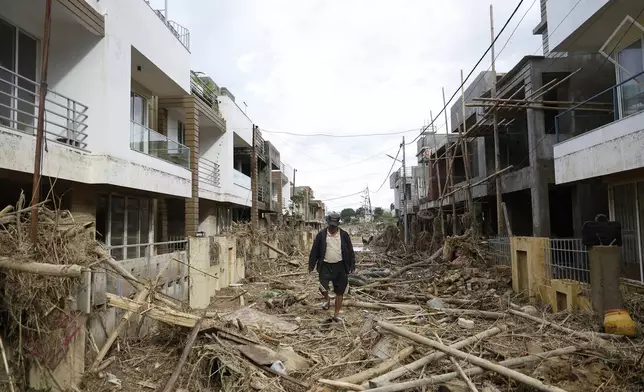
<point>338,304</point>
<point>327,300</point>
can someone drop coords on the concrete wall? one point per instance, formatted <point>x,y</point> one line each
<point>604,151</point>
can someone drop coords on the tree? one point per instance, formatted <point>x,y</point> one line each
<point>388,218</point>
<point>377,212</point>
<point>347,214</point>
<point>360,212</point>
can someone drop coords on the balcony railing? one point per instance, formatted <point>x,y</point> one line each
<point>150,142</point>
<point>209,172</point>
<point>262,194</point>
<point>65,119</point>
<point>602,108</point>
<point>181,33</point>
<point>204,88</point>
<point>241,179</point>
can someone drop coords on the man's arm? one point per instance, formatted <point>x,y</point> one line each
<point>313,255</point>
<point>352,254</point>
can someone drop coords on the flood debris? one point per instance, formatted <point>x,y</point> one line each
<point>415,320</point>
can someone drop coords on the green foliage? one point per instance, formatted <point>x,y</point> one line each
<point>378,212</point>
<point>360,212</point>
<point>347,214</point>
<point>386,217</point>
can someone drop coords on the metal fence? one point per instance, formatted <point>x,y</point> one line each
<point>181,33</point>
<point>567,258</point>
<point>65,119</point>
<point>499,247</point>
<point>135,251</point>
<point>209,172</point>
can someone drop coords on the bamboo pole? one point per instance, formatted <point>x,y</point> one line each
<point>45,269</point>
<point>275,249</point>
<point>484,363</point>
<point>341,385</point>
<point>381,368</point>
<point>473,371</point>
<point>475,312</point>
<point>435,356</point>
<point>579,334</point>
<point>169,387</point>
<point>498,173</point>
<point>464,146</point>
<point>141,296</point>
<point>535,106</point>
<point>458,367</point>
<point>556,102</point>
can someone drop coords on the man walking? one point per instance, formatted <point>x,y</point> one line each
<point>332,253</point>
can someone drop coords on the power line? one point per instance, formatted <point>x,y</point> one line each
<point>348,164</point>
<point>341,136</point>
<point>344,197</point>
<point>390,169</point>
<point>472,71</point>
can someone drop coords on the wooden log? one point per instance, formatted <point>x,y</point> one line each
<point>379,369</point>
<point>76,230</point>
<point>141,296</point>
<point>475,313</point>
<point>424,361</point>
<point>155,312</point>
<point>275,249</point>
<point>45,269</point>
<point>406,268</point>
<point>473,371</point>
<point>6,210</point>
<point>506,216</point>
<point>6,366</point>
<point>484,363</point>
<point>459,369</point>
<point>118,268</point>
<point>169,387</point>
<point>341,385</point>
<point>381,306</point>
<point>583,335</point>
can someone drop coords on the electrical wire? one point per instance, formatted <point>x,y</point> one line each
<point>390,169</point>
<point>348,164</point>
<point>342,136</point>
<point>471,71</point>
<point>345,196</point>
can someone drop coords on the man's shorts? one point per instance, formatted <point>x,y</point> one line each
<point>336,274</point>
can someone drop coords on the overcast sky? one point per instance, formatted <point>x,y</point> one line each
<point>347,67</point>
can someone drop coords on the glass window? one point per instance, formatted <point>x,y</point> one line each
<point>181,133</point>
<point>138,109</point>
<point>117,229</point>
<point>7,64</point>
<point>631,61</point>
<point>133,228</point>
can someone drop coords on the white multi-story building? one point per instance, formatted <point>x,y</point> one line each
<point>608,147</point>
<point>134,141</point>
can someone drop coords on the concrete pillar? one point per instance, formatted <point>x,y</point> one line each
<point>538,162</point>
<point>192,142</point>
<point>201,285</point>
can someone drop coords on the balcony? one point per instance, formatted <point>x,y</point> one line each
<point>204,88</point>
<point>150,142</point>
<point>181,33</point>
<point>240,179</point>
<point>603,143</point>
<point>65,119</point>
<point>209,172</point>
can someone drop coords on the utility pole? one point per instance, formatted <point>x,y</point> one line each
<point>254,213</point>
<point>406,233</point>
<point>40,126</point>
<point>497,151</point>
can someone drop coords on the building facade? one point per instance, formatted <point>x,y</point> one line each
<point>608,149</point>
<point>134,140</point>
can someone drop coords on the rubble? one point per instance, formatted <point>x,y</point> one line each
<point>416,320</point>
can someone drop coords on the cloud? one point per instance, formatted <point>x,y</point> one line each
<point>346,66</point>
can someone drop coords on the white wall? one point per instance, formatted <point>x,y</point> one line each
<point>610,149</point>
<point>236,120</point>
<point>96,72</point>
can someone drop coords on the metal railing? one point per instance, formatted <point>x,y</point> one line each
<point>150,142</point>
<point>567,258</point>
<point>499,247</point>
<point>136,251</point>
<point>204,88</point>
<point>262,193</point>
<point>65,119</point>
<point>605,105</point>
<point>209,172</point>
<point>180,32</point>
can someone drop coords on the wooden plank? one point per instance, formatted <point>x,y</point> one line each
<point>155,312</point>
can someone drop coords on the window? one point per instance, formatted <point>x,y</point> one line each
<point>138,109</point>
<point>181,133</point>
<point>631,93</point>
<point>123,221</point>
<point>18,67</point>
